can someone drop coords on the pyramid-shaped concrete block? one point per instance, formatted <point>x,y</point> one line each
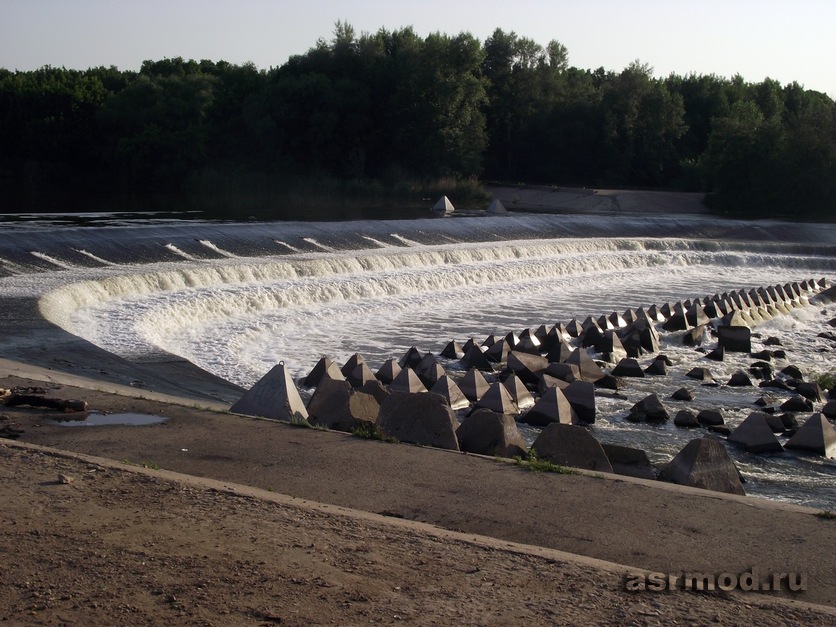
<point>448,388</point>
<point>496,206</point>
<point>407,381</point>
<point>816,435</point>
<point>587,368</point>
<point>573,446</point>
<point>273,396</point>
<point>519,393</point>
<point>443,205</point>
<point>704,463</point>
<point>755,435</point>
<point>552,406</point>
<point>324,367</point>
<point>474,384</point>
<point>498,399</point>
<point>388,371</point>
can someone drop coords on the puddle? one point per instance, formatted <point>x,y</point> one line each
<point>96,420</point>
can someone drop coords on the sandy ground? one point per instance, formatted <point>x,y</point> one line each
<point>213,518</point>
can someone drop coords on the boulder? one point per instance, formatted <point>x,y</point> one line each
<point>551,407</point>
<point>488,433</point>
<point>573,446</point>
<point>631,462</point>
<point>816,435</point>
<point>755,435</point>
<point>335,405</point>
<point>425,419</point>
<point>649,409</point>
<point>704,463</point>
<point>273,396</point>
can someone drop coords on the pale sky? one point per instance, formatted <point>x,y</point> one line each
<point>783,40</point>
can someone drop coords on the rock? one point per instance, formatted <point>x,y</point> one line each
<point>816,435</point>
<point>630,462</point>
<point>739,379</point>
<point>488,433</point>
<point>721,429</point>
<point>735,339</point>
<point>552,406</point>
<point>755,435</point>
<point>761,370</point>
<point>273,396</point>
<point>772,341</point>
<point>424,419</point>
<point>711,417</point>
<point>704,463</point>
<point>686,419</point>
<point>683,394</point>
<point>649,409</point>
<point>16,399</point>
<point>336,406</point>
<point>628,367</point>
<point>573,446</point>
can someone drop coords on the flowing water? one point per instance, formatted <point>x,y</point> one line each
<point>237,298</point>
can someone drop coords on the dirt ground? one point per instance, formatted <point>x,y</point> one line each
<point>216,519</point>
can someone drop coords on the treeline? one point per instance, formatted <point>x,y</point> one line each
<point>391,106</point>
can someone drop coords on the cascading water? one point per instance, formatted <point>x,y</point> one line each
<point>237,298</point>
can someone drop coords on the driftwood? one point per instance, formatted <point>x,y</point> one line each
<point>32,400</point>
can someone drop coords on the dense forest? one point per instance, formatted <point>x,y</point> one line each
<point>374,111</point>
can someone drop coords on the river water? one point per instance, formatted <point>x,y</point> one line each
<point>237,298</point>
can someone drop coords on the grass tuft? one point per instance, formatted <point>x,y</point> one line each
<point>534,464</point>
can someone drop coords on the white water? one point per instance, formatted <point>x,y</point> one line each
<point>401,284</point>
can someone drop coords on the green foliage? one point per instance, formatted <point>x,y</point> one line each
<point>393,113</point>
<point>368,431</point>
<point>534,464</point>
<point>827,380</point>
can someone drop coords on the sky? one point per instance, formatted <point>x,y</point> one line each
<point>786,41</point>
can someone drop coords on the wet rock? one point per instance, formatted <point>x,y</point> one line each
<point>704,463</point>
<point>649,409</point>
<point>485,432</point>
<point>424,418</point>
<point>573,446</point>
